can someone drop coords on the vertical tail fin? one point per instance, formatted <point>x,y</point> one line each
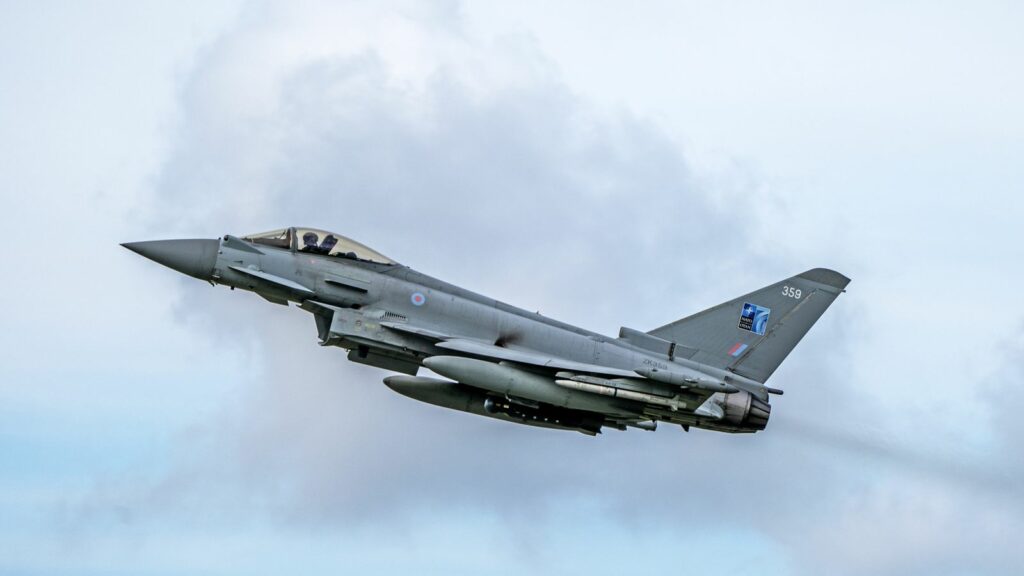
<point>753,334</point>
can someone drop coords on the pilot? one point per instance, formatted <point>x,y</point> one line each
<point>328,244</point>
<point>309,242</point>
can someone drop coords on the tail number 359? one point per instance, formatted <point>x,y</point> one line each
<point>791,292</point>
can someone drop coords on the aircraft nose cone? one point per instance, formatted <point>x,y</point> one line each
<point>193,257</point>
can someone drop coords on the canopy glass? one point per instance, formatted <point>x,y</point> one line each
<point>317,241</point>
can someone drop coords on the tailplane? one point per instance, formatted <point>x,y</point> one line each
<point>753,334</point>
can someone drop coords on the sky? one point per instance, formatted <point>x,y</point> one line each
<point>608,164</point>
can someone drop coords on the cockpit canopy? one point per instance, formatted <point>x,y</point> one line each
<point>316,241</point>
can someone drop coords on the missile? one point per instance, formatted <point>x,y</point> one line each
<point>729,378</point>
<point>505,380</point>
<point>674,403</point>
<point>694,380</point>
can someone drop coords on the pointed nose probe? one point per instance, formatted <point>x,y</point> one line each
<point>196,258</point>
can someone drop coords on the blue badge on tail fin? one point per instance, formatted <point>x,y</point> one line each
<point>754,318</point>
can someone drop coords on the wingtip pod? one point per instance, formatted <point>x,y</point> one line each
<point>826,277</point>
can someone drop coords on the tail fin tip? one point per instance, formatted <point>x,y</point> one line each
<point>827,277</point>
<point>729,335</point>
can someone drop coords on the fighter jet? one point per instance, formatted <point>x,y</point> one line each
<point>706,371</point>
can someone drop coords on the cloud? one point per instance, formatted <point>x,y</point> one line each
<point>469,158</point>
<point>550,202</point>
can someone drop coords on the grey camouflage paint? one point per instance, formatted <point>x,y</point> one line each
<point>707,370</point>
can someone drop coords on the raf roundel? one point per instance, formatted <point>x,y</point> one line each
<point>418,299</point>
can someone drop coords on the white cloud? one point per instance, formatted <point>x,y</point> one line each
<point>487,161</point>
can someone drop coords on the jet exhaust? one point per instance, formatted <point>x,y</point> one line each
<point>746,411</point>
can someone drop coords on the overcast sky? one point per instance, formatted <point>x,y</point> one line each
<point>608,164</point>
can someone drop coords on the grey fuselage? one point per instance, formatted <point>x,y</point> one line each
<point>446,308</point>
<point>379,292</point>
<point>504,362</point>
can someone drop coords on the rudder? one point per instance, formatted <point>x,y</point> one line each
<point>752,335</point>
